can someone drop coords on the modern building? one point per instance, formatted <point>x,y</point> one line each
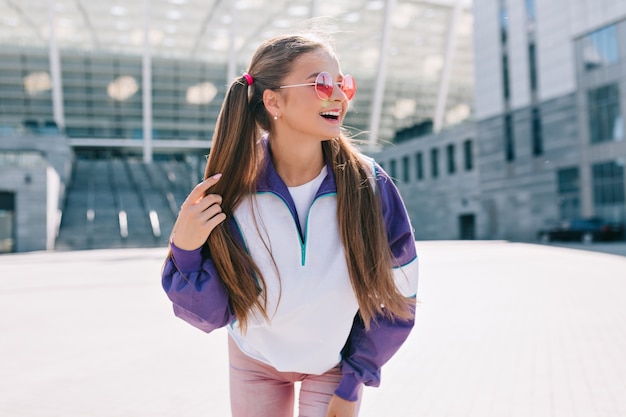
<point>133,90</point>
<point>548,135</point>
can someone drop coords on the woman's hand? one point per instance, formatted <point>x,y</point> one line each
<point>338,407</point>
<point>199,215</point>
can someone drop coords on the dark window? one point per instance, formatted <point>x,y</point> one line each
<point>7,220</point>
<point>393,171</point>
<point>532,66</point>
<point>468,155</point>
<point>509,140</point>
<point>419,166</point>
<point>608,183</point>
<point>605,118</point>
<point>600,48</point>
<point>537,132</point>
<point>504,21</point>
<point>569,193</point>
<point>505,77</point>
<point>451,159</point>
<point>504,28</point>
<point>434,162</point>
<point>568,180</point>
<point>608,190</point>
<point>405,169</point>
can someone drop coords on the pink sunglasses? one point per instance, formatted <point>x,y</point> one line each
<point>324,85</point>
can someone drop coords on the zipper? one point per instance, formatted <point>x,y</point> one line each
<point>302,234</point>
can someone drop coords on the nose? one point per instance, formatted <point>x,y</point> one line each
<point>338,94</point>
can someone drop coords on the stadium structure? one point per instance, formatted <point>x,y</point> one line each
<point>107,109</point>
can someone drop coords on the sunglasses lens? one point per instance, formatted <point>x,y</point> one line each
<point>324,85</point>
<point>348,86</point>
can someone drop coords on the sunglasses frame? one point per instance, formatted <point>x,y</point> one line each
<point>332,85</point>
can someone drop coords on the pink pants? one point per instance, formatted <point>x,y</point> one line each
<point>259,390</point>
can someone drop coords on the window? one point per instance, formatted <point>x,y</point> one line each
<point>509,140</point>
<point>405,169</point>
<point>504,21</point>
<point>504,28</point>
<point>537,132</point>
<point>468,156</point>
<point>434,162</point>
<point>7,222</point>
<point>608,182</point>
<point>532,66</point>
<point>605,118</point>
<point>393,171</point>
<point>569,192</point>
<point>599,48</point>
<point>608,190</point>
<point>451,160</point>
<point>506,84</point>
<point>419,166</point>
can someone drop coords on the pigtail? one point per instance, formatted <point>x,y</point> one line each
<point>235,154</point>
<point>234,151</point>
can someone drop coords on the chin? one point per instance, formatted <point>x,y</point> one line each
<point>333,133</point>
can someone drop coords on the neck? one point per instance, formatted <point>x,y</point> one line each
<point>297,162</point>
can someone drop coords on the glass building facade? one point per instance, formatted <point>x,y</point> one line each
<point>102,95</point>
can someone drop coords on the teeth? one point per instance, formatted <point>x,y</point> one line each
<point>331,113</point>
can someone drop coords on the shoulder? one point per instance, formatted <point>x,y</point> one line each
<point>381,181</point>
<point>385,187</point>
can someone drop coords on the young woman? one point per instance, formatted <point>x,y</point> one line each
<point>296,242</point>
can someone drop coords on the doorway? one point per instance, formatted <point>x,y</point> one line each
<point>467,227</point>
<point>7,215</point>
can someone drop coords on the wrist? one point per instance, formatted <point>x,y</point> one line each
<point>186,260</point>
<point>348,388</point>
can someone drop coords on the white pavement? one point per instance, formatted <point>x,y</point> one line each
<point>503,329</point>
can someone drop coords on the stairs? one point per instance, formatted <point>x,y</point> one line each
<point>122,202</point>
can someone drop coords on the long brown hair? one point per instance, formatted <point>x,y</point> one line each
<point>237,153</point>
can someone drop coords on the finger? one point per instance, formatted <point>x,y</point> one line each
<point>208,201</point>
<point>210,212</point>
<point>214,222</point>
<point>200,190</point>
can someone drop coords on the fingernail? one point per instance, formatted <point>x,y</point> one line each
<point>217,176</point>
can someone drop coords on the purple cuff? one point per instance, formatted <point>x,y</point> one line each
<point>348,388</point>
<point>187,260</point>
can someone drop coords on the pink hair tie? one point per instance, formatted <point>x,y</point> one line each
<point>248,78</point>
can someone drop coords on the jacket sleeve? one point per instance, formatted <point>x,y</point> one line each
<point>366,352</point>
<point>192,283</point>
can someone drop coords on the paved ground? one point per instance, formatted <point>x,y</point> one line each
<point>504,329</point>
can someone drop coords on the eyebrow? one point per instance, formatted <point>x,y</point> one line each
<point>315,74</point>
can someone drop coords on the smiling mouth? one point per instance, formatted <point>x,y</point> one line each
<point>331,115</point>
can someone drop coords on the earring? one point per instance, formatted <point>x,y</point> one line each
<point>276,116</point>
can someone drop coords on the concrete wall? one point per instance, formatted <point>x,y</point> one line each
<point>36,170</point>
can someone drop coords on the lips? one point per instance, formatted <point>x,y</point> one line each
<point>331,114</point>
